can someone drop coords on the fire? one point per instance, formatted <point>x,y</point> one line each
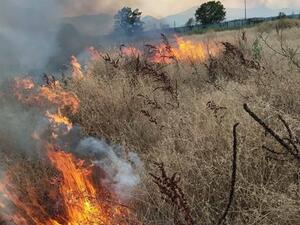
<point>79,194</point>
<point>44,96</point>
<point>59,119</point>
<point>78,200</point>
<point>22,85</point>
<point>130,51</point>
<point>185,51</point>
<point>191,51</point>
<point>25,83</point>
<point>76,68</point>
<point>161,54</point>
<point>72,193</point>
<point>94,53</point>
<point>58,97</point>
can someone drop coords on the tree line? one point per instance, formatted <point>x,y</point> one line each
<point>128,21</point>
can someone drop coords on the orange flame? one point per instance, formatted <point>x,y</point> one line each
<point>24,83</point>
<point>78,197</point>
<point>73,195</point>
<point>45,96</point>
<point>79,194</point>
<point>191,51</point>
<point>185,51</point>
<point>94,53</point>
<point>76,68</point>
<point>130,51</point>
<point>58,97</point>
<point>25,200</point>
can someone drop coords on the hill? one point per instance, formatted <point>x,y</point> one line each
<point>232,13</point>
<point>91,24</point>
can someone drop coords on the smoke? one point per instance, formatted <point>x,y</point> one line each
<point>17,125</point>
<point>79,7</point>
<point>121,173</point>
<point>160,8</point>
<point>27,34</point>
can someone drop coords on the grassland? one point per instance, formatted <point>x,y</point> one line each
<point>182,115</point>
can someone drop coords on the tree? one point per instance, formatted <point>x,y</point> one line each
<point>128,21</point>
<point>190,23</point>
<point>281,15</point>
<point>210,12</point>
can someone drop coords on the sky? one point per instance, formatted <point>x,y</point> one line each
<point>159,8</point>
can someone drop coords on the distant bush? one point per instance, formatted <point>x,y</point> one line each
<point>257,49</point>
<point>128,21</point>
<point>210,12</point>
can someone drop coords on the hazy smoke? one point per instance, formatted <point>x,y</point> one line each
<point>27,34</point>
<point>121,173</point>
<point>79,7</point>
<point>17,125</point>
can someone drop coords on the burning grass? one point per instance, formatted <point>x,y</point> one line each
<point>181,113</point>
<point>73,193</point>
<point>178,109</point>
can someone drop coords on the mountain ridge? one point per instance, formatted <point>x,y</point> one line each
<point>103,23</point>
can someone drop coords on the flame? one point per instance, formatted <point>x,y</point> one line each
<point>79,194</point>
<point>185,51</point>
<point>59,97</point>
<point>24,83</point>
<point>79,200</point>
<point>59,119</point>
<point>130,51</point>
<point>76,68</point>
<point>45,96</point>
<point>190,51</point>
<point>73,194</point>
<point>24,199</point>
<point>94,53</point>
<point>56,120</point>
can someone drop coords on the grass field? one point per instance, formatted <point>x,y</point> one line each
<point>184,118</point>
<point>217,132</point>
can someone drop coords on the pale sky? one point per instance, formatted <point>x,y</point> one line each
<point>160,8</point>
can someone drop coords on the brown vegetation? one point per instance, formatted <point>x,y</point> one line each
<point>182,115</point>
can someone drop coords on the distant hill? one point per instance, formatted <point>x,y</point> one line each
<point>92,24</point>
<point>181,18</point>
<point>259,11</point>
<point>95,25</point>
<point>151,23</point>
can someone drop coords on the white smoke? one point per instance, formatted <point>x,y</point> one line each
<point>121,173</point>
<point>28,33</point>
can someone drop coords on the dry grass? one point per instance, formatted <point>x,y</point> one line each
<point>280,24</point>
<point>192,132</point>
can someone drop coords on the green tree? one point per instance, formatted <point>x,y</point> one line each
<point>210,12</point>
<point>190,23</point>
<point>128,21</point>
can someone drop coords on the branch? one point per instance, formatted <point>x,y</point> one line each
<point>293,151</point>
<point>285,52</point>
<point>233,175</point>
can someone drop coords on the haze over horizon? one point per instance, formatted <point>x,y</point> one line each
<point>162,8</point>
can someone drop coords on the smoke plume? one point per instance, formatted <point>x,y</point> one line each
<point>79,7</point>
<point>27,34</point>
<point>122,174</point>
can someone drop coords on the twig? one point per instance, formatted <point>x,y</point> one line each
<point>233,175</point>
<point>293,151</point>
<point>285,51</point>
<point>172,193</point>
